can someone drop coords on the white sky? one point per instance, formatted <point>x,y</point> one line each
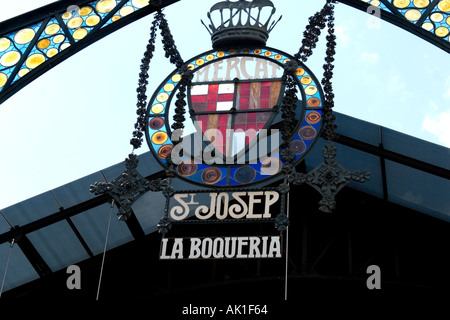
<point>78,118</point>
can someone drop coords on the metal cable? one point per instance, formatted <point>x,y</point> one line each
<point>104,250</point>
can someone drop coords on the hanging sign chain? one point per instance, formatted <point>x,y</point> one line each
<point>174,56</point>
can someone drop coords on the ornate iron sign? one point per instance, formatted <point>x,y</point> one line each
<point>234,103</point>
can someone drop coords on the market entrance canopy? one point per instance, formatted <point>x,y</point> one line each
<point>35,42</point>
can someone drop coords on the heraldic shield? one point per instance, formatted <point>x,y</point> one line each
<point>231,115</point>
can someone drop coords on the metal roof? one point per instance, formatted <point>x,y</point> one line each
<point>68,224</point>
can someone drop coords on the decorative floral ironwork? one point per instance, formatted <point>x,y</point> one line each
<point>128,187</point>
<point>329,178</point>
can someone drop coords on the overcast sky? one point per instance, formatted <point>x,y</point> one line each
<point>78,118</point>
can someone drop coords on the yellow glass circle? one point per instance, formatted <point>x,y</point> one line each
<point>35,60</point>
<point>24,36</point>
<point>52,29</point>
<point>162,97</point>
<point>300,71</point>
<point>444,5</point>
<point>311,90</point>
<point>80,34</point>
<point>437,17</point>
<point>232,51</point>
<point>84,11</point>
<point>401,3</point>
<point>375,3</point>
<point>157,108</point>
<point>115,18</point>
<point>428,26</point>
<point>52,52</point>
<point>126,11</point>
<point>3,79</point>
<point>58,38</point>
<point>4,44</point>
<point>105,6</point>
<point>210,57</point>
<point>169,87</point>
<point>448,20</point>
<point>257,51</point>
<point>191,66</point>
<point>220,54</point>
<point>176,78</point>
<point>306,80</point>
<point>74,23</point>
<point>413,15</point>
<point>23,72</point>
<point>92,21</point>
<point>10,58</point>
<point>268,53</point>
<point>140,3</point>
<point>66,15</point>
<point>278,56</point>
<point>64,46</point>
<point>160,137</point>
<point>421,3</point>
<point>200,62</point>
<point>44,43</point>
<point>441,32</point>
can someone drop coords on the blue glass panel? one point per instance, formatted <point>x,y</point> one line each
<point>93,224</point>
<point>20,270</point>
<point>58,245</point>
<point>31,209</point>
<point>418,190</point>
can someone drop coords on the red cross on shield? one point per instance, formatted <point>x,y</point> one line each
<point>232,114</point>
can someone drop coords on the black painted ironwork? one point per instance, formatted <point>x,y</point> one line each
<point>233,31</point>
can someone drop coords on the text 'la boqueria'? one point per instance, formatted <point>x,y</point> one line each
<point>220,248</point>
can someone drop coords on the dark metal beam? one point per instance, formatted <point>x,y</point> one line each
<point>395,157</point>
<point>33,256</point>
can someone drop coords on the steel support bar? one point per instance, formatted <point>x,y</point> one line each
<point>395,157</point>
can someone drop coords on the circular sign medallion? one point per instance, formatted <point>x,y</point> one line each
<point>232,137</point>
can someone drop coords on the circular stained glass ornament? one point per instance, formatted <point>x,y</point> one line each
<point>413,15</point>
<point>80,34</point>
<point>211,100</point>
<point>105,6</point>
<point>421,3</point>
<point>441,32</point>
<point>22,72</point>
<point>159,137</point>
<point>3,79</point>
<point>35,60</point>
<point>52,29</point>
<point>84,11</point>
<point>43,44</point>
<point>92,20</point>
<point>52,52</point>
<point>401,4</point>
<point>313,117</point>
<point>156,123</point>
<point>5,43</point>
<point>307,133</point>
<point>139,3</point>
<point>24,36</point>
<point>74,23</point>
<point>211,175</point>
<point>187,169</point>
<point>10,58</point>
<point>297,146</point>
<point>444,5</point>
<point>59,38</point>
<point>245,175</point>
<point>164,151</point>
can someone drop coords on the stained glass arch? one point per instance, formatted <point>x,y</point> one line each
<point>35,42</point>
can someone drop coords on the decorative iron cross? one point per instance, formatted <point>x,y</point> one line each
<point>128,187</point>
<point>329,178</point>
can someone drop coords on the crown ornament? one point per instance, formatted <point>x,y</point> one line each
<point>241,23</point>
